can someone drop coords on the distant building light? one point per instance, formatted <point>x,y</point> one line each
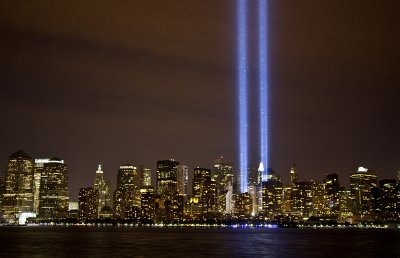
<point>42,160</point>
<point>362,169</point>
<point>127,167</point>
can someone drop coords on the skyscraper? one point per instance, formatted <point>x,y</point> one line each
<point>37,174</point>
<point>182,180</point>
<point>302,198</point>
<point>293,175</point>
<point>147,202</point>
<point>362,183</point>
<point>204,189</point>
<point>103,188</point>
<point>88,204</point>
<point>167,177</point>
<point>224,176</point>
<point>54,194</point>
<point>18,196</point>
<point>320,200</point>
<point>145,175</point>
<point>332,192</point>
<point>127,195</point>
<point>272,190</point>
<point>387,200</point>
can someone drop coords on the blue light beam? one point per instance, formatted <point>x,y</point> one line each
<point>263,84</point>
<point>242,87</point>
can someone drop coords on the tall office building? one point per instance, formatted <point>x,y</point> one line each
<point>54,194</point>
<point>293,175</point>
<point>88,204</point>
<point>103,188</point>
<point>320,200</point>
<point>182,180</point>
<point>147,202</point>
<point>199,176</point>
<point>37,175</point>
<point>18,196</point>
<point>204,189</point>
<point>145,175</point>
<point>345,206</point>
<point>387,200</point>
<point>332,194</point>
<point>127,195</point>
<point>272,191</point>
<point>224,176</point>
<point>302,198</point>
<point>362,184</point>
<point>167,176</point>
<point>243,206</point>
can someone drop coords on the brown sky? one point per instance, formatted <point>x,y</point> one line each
<point>138,81</point>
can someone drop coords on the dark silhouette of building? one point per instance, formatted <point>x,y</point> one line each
<point>387,200</point>
<point>88,204</point>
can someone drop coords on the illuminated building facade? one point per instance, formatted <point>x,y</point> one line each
<point>88,204</point>
<point>224,176</point>
<point>243,206</point>
<point>345,206</point>
<point>145,175</point>
<point>272,192</point>
<point>73,210</point>
<point>362,184</point>
<point>103,188</point>
<point>147,202</point>
<point>37,175</point>
<point>320,200</point>
<point>106,213</point>
<point>302,199</point>
<point>387,200</point>
<point>167,176</point>
<point>204,190</point>
<point>332,194</point>
<point>182,180</point>
<point>294,178</point>
<point>18,196</point>
<point>127,194</point>
<point>54,194</point>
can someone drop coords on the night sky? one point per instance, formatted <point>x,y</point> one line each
<point>139,81</point>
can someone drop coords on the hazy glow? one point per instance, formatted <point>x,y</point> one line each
<point>242,85</point>
<point>24,216</point>
<point>263,84</point>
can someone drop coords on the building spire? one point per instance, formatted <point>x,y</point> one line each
<point>99,170</point>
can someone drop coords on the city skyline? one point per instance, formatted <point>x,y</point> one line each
<point>150,178</point>
<point>37,190</point>
<point>112,84</point>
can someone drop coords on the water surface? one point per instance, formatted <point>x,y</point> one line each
<point>197,242</point>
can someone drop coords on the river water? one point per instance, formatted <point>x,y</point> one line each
<point>197,242</point>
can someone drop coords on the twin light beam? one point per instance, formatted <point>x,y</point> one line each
<point>242,62</point>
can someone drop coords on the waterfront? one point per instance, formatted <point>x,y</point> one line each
<point>197,242</point>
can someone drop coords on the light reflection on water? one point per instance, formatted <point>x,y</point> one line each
<point>196,242</point>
